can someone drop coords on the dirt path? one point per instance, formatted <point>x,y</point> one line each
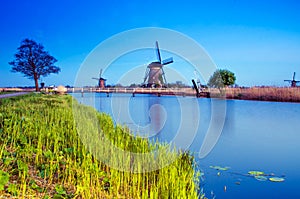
<point>13,94</point>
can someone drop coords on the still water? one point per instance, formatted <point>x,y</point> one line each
<point>260,136</point>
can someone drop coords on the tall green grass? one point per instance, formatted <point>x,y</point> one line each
<point>45,154</point>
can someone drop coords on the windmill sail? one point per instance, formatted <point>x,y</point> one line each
<point>294,76</point>
<point>167,61</point>
<point>158,53</point>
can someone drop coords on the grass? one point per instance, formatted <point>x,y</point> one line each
<point>45,154</point>
<point>5,92</point>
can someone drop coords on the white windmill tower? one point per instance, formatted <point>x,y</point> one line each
<point>155,75</point>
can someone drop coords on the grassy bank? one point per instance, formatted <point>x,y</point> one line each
<point>43,156</point>
<point>279,94</point>
<point>5,92</point>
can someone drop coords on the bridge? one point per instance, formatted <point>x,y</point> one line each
<point>153,91</point>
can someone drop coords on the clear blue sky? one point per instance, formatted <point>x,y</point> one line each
<point>258,40</point>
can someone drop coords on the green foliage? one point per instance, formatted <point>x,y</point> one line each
<point>12,189</point>
<point>22,166</point>
<point>61,192</point>
<point>34,186</point>
<point>4,178</point>
<point>221,78</point>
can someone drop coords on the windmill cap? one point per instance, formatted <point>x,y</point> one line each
<point>156,63</point>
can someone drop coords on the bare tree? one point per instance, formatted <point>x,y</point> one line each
<point>33,61</point>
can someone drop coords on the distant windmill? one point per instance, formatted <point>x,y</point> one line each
<point>293,81</point>
<point>155,75</point>
<point>101,81</point>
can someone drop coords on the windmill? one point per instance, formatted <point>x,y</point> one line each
<point>155,75</point>
<point>293,81</point>
<point>101,81</point>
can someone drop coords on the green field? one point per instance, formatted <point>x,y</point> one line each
<point>42,155</point>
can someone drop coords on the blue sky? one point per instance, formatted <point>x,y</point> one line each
<point>257,40</point>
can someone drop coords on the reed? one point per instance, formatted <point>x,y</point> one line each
<point>43,156</point>
<point>280,94</point>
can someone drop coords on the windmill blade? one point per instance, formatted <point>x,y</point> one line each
<point>168,61</point>
<point>157,52</point>
<point>100,73</point>
<point>163,74</point>
<point>146,76</point>
<point>294,76</point>
<point>197,75</point>
<point>95,78</point>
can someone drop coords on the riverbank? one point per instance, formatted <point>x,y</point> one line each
<point>43,156</point>
<point>12,94</point>
<point>278,94</point>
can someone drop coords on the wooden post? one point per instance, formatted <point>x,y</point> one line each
<point>196,88</point>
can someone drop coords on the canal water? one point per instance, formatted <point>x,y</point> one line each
<point>238,136</point>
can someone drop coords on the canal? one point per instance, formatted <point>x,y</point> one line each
<point>229,138</point>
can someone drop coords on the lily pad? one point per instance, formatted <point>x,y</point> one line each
<point>276,179</point>
<point>260,178</point>
<point>256,173</point>
<point>220,168</point>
